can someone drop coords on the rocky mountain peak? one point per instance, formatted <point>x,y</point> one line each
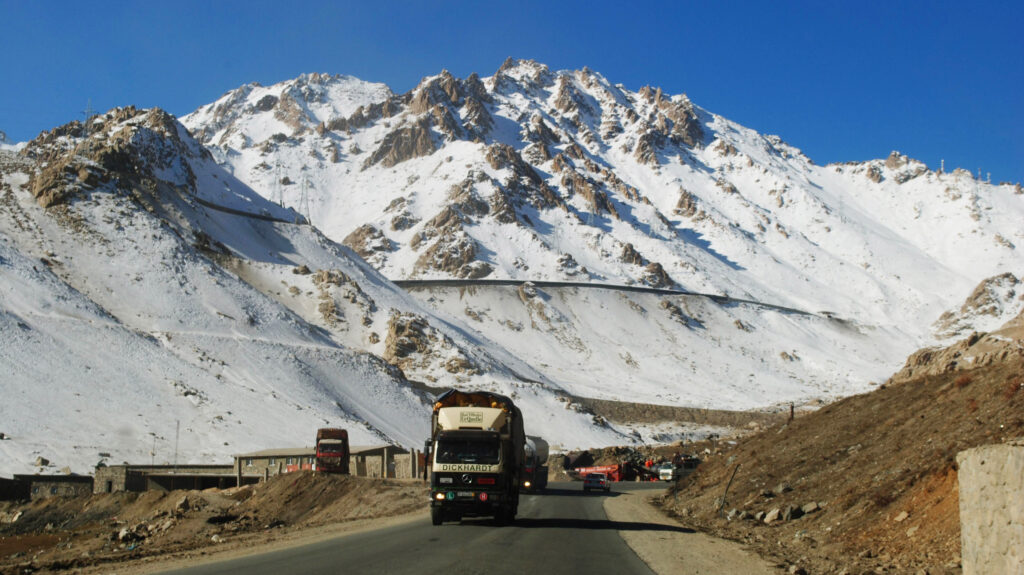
<point>126,145</point>
<point>571,165</point>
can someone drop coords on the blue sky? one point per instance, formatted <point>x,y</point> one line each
<point>843,81</point>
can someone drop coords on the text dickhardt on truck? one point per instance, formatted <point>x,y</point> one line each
<point>476,447</point>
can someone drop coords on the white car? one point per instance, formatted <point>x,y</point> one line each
<point>667,472</point>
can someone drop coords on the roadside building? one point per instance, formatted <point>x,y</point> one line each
<point>43,486</point>
<point>364,461</point>
<point>270,462</point>
<point>116,478</point>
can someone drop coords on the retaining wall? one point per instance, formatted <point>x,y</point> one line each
<point>992,508</point>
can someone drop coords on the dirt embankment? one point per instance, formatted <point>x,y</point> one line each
<point>623,412</point>
<point>867,484</point>
<point>102,531</point>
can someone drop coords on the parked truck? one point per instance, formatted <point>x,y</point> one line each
<point>476,453</point>
<point>535,463</point>
<point>332,451</point>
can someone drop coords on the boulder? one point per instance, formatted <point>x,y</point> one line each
<point>792,512</point>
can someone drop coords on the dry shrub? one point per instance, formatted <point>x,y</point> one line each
<point>882,497</point>
<point>972,405</point>
<point>1013,385</point>
<point>962,381</point>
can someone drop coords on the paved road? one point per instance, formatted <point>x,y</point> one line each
<point>560,531</point>
<point>717,298</point>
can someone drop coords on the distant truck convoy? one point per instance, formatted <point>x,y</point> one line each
<point>476,450</point>
<point>332,451</point>
<point>535,463</point>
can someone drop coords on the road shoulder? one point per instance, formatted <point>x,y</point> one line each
<point>671,551</point>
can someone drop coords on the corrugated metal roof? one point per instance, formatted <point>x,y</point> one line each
<point>311,451</point>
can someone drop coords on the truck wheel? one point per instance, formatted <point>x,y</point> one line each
<point>435,516</point>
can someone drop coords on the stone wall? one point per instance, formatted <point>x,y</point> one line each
<point>992,508</point>
<point>43,487</point>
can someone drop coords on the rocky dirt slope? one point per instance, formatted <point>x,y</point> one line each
<point>108,530</point>
<point>869,483</point>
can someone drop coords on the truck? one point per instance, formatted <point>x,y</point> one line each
<point>332,451</point>
<point>476,449</point>
<point>535,463</point>
<point>615,472</point>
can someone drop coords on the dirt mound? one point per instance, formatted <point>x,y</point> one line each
<point>62,533</point>
<point>865,483</point>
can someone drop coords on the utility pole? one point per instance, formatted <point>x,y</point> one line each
<point>177,430</point>
<point>88,112</point>
<point>304,200</point>
<point>278,193</point>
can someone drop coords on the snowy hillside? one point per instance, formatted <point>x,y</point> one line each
<point>533,174</point>
<point>129,304</point>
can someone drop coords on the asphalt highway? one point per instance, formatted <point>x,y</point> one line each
<point>562,530</point>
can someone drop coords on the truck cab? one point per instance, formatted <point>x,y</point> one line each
<point>476,457</point>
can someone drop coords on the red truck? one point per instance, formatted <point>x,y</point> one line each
<point>332,452</point>
<point>614,472</point>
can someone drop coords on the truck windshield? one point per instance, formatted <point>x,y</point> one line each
<point>331,446</point>
<point>476,450</point>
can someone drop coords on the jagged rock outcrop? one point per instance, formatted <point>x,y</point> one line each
<point>656,276</point>
<point>412,343</point>
<point>454,252</point>
<point>367,241</point>
<point>993,297</point>
<point>335,288</point>
<point>686,205</point>
<point>523,183</point>
<point>686,128</point>
<point>128,145</point>
<point>977,350</point>
<point>631,256</point>
<point>407,142</point>
<point>597,200</point>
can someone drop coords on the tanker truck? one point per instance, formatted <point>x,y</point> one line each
<point>476,454</point>
<point>535,463</point>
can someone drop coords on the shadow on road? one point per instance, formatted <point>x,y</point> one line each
<point>560,523</point>
<point>573,493</point>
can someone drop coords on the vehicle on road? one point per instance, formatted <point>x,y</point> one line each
<point>476,453</point>
<point>535,469</point>
<point>332,451</point>
<point>596,481</point>
<point>666,472</point>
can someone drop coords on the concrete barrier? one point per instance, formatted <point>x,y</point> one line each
<point>992,508</point>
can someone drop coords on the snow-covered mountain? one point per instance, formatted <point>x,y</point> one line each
<point>150,278</point>
<point>143,286</point>
<point>534,174</point>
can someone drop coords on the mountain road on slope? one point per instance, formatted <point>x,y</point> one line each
<point>717,298</point>
<point>407,284</point>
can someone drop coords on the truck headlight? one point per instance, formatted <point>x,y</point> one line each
<point>439,496</point>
